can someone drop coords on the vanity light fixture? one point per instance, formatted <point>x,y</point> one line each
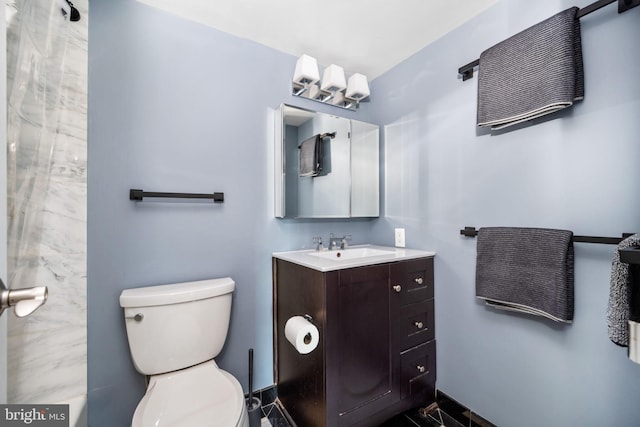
<point>333,79</point>
<point>306,72</point>
<point>331,90</point>
<point>357,87</point>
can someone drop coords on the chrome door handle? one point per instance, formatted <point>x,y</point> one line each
<point>419,325</point>
<point>397,288</point>
<point>421,369</point>
<point>418,280</point>
<point>24,301</point>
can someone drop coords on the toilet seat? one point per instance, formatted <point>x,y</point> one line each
<point>202,395</point>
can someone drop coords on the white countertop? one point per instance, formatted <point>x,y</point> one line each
<point>307,258</point>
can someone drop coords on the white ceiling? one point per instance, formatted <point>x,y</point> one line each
<point>365,36</point>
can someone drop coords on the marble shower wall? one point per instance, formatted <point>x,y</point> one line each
<point>47,193</point>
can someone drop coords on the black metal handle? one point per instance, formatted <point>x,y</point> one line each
<point>138,195</point>
<point>630,255</point>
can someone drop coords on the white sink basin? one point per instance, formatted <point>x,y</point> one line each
<point>351,253</point>
<point>355,256</point>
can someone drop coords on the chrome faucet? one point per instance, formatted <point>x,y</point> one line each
<point>318,241</point>
<point>336,243</point>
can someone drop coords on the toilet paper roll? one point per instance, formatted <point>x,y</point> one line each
<point>302,334</point>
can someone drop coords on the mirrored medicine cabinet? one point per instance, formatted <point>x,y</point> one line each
<point>326,166</point>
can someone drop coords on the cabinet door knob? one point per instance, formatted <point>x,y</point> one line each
<point>418,280</point>
<point>397,288</point>
<point>421,369</point>
<point>419,325</point>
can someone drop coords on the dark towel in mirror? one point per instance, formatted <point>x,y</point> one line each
<point>311,156</point>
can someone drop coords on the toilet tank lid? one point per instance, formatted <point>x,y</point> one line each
<point>175,293</point>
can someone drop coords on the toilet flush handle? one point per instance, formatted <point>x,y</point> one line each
<point>137,317</point>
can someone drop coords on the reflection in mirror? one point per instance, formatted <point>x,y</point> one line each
<point>326,166</point>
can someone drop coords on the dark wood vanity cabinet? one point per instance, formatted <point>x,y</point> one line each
<point>376,355</point>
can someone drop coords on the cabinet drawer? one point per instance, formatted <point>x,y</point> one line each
<point>418,366</point>
<point>413,280</point>
<point>416,324</point>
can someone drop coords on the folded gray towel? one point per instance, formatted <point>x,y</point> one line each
<point>310,156</point>
<point>619,294</point>
<point>528,270</point>
<point>533,73</point>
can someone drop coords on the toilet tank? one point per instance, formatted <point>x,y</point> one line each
<point>171,327</point>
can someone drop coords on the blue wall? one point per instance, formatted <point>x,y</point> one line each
<point>578,171</point>
<point>175,106</point>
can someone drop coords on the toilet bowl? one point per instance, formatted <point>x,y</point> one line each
<point>175,332</point>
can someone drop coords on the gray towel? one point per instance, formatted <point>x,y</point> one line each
<point>310,156</point>
<point>536,72</point>
<point>528,270</point>
<point>620,294</point>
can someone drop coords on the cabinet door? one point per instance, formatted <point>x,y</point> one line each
<point>364,339</point>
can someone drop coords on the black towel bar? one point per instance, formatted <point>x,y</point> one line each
<point>472,232</point>
<point>138,195</point>
<point>623,5</point>
<point>630,255</point>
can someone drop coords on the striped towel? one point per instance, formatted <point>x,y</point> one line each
<point>536,72</point>
<point>618,309</point>
<point>529,270</point>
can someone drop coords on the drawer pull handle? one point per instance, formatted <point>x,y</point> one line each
<point>418,280</point>
<point>421,369</point>
<point>397,288</point>
<point>419,325</point>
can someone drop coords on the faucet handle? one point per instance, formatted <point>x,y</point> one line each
<point>346,238</point>
<point>318,241</point>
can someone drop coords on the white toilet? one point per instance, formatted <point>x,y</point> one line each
<point>174,332</point>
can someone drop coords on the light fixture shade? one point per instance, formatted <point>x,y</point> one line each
<point>306,70</point>
<point>358,87</point>
<point>333,78</point>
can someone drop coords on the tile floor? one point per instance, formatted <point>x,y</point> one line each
<point>449,413</point>
<point>274,418</point>
<point>412,418</point>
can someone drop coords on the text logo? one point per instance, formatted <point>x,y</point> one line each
<point>34,415</point>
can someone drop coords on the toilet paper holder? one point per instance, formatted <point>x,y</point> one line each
<point>302,333</point>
